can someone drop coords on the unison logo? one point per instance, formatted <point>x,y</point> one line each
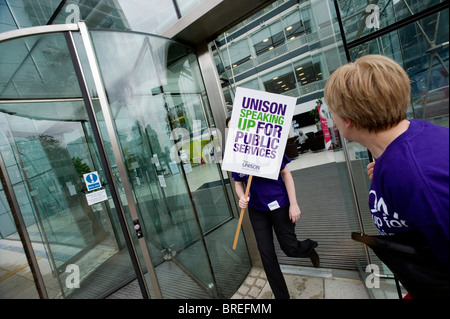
<point>251,166</point>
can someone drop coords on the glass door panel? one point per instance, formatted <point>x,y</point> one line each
<point>155,133</point>
<point>197,154</point>
<point>159,137</point>
<point>48,143</point>
<point>13,261</point>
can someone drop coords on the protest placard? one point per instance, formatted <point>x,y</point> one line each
<point>258,132</point>
<point>257,136</point>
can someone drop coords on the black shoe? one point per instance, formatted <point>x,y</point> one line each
<point>315,259</point>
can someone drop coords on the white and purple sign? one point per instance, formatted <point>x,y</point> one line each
<point>258,132</point>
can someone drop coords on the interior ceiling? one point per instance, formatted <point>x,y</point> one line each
<point>211,18</point>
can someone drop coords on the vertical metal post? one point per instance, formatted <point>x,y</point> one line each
<point>117,155</point>
<point>341,28</point>
<point>177,8</point>
<point>344,141</point>
<point>22,230</point>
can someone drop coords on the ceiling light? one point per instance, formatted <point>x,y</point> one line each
<point>265,40</point>
<point>289,28</point>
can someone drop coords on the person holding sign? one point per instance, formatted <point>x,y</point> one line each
<point>272,206</point>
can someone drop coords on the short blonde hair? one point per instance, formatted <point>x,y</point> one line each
<point>374,92</point>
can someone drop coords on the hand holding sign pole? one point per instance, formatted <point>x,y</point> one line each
<point>259,127</point>
<point>241,216</point>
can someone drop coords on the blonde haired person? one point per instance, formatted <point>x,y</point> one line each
<point>409,193</point>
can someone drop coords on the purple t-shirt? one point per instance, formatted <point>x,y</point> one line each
<point>266,194</point>
<point>410,186</point>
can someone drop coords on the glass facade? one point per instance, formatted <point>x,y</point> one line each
<point>294,46</point>
<point>134,109</point>
<point>357,15</point>
<point>420,48</point>
<point>150,16</point>
<point>130,108</point>
<point>167,139</point>
<point>291,48</point>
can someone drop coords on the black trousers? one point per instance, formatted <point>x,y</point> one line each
<point>264,223</point>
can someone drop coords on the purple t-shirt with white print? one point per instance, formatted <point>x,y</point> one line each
<point>410,186</point>
<point>266,194</point>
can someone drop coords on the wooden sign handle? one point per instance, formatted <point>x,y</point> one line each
<point>241,217</point>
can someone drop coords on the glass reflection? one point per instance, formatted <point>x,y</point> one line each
<point>166,135</point>
<point>361,18</point>
<point>47,142</point>
<point>422,49</point>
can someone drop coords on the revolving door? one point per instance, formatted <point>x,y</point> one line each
<point>130,110</point>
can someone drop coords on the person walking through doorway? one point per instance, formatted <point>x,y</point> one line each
<point>273,206</point>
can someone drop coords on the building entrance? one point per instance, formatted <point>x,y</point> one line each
<point>108,151</point>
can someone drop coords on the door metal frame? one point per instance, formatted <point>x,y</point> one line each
<point>114,140</point>
<point>67,31</point>
<point>103,158</point>
<point>22,230</point>
<point>147,46</point>
<point>21,225</point>
<point>6,181</point>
